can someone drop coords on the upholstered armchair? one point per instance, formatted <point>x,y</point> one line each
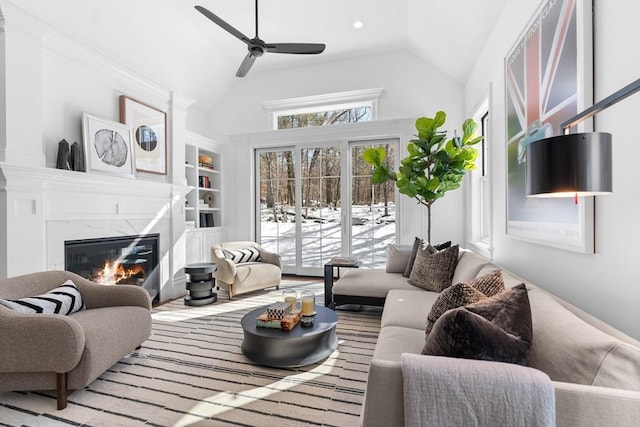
<point>67,351</point>
<point>244,266</point>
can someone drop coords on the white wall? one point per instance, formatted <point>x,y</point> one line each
<point>606,284</point>
<point>412,88</point>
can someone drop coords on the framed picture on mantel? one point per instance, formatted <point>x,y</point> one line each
<point>547,81</point>
<point>149,134</point>
<point>107,146</point>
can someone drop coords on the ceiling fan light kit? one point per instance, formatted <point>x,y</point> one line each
<point>256,46</point>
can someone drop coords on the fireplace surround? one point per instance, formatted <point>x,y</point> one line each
<point>120,260</point>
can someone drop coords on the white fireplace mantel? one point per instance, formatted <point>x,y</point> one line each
<point>43,207</point>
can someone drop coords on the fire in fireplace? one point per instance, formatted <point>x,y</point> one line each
<point>122,260</point>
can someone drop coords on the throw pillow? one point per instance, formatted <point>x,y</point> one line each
<point>417,244</point>
<point>433,271</point>
<point>238,256</point>
<point>489,284</point>
<point>498,329</point>
<point>65,299</point>
<point>462,294</point>
<point>397,258</point>
<point>454,296</point>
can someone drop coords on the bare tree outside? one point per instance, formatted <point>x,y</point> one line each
<point>372,208</point>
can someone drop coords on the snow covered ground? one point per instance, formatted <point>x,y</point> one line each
<point>321,234</point>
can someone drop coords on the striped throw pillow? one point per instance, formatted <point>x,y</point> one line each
<point>250,254</point>
<point>65,299</point>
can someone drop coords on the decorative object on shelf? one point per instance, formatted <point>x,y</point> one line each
<point>558,38</point>
<point>150,131</point>
<point>76,159</point>
<point>189,225</point>
<point>62,161</point>
<point>107,146</point>
<point>208,199</point>
<point>206,162</point>
<point>434,165</point>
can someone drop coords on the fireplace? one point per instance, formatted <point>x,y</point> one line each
<point>123,260</point>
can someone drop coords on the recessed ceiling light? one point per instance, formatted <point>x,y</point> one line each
<point>358,24</point>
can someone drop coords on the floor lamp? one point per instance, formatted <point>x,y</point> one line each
<point>574,165</point>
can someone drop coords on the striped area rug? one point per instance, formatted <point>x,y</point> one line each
<point>191,372</point>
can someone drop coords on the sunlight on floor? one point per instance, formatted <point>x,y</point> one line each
<point>223,402</point>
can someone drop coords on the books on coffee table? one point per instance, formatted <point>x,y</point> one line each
<point>285,323</point>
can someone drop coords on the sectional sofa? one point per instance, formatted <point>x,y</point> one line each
<point>593,369</point>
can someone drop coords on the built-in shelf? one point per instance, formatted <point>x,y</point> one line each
<point>204,183</point>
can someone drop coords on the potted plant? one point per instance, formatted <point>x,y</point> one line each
<point>434,165</point>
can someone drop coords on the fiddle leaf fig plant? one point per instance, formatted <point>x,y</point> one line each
<point>434,165</point>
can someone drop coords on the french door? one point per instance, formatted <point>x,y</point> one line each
<point>316,202</point>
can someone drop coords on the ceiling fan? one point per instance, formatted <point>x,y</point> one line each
<point>258,47</point>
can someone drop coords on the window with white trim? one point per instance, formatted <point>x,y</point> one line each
<point>480,210</point>
<point>322,110</point>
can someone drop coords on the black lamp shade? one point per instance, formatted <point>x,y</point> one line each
<point>569,165</point>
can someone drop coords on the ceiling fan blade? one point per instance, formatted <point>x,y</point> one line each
<point>222,24</point>
<point>246,65</point>
<point>299,48</point>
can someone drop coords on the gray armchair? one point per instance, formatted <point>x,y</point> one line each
<point>53,351</point>
<point>247,276</point>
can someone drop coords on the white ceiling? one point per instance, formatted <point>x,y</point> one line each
<point>172,44</point>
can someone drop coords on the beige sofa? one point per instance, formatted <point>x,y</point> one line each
<point>246,276</point>
<point>593,368</point>
<point>60,352</point>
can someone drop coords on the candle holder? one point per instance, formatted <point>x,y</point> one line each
<point>307,321</point>
<point>308,303</point>
<point>291,296</point>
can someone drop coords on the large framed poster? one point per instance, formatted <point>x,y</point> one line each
<point>548,79</point>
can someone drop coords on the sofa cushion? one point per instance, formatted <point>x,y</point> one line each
<point>433,270</point>
<point>570,350</point>
<point>496,329</point>
<point>65,299</point>
<point>238,256</point>
<point>407,308</point>
<point>369,283</point>
<point>397,258</point>
<point>469,266</point>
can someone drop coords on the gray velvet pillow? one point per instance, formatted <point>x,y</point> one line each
<point>498,329</point>
<point>434,271</point>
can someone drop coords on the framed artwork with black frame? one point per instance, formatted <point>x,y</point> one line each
<point>149,126</point>
<point>108,146</point>
<point>548,79</point>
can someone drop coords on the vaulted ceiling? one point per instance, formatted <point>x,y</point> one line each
<point>172,44</point>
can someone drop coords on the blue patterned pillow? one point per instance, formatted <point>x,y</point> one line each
<point>250,254</point>
<point>65,299</point>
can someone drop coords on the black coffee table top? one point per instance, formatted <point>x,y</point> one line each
<point>297,347</point>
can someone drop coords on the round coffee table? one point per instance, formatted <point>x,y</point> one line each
<point>287,349</point>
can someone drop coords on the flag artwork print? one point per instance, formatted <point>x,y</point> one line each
<point>546,84</point>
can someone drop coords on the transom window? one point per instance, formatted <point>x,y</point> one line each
<point>324,110</point>
<point>327,116</point>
